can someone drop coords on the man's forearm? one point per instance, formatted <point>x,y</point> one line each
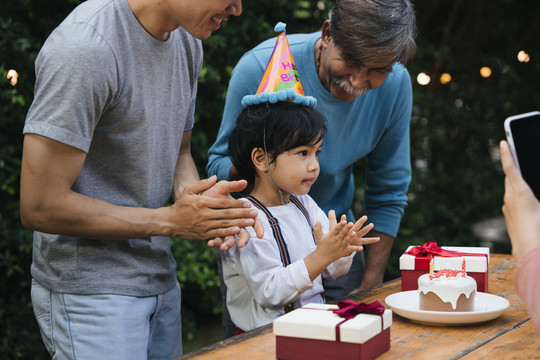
<point>185,174</point>
<point>48,203</point>
<point>82,216</point>
<point>376,259</point>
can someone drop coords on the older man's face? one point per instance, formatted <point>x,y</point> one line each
<point>346,81</point>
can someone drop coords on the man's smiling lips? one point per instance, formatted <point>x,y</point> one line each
<point>217,20</point>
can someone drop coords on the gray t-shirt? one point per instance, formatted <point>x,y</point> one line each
<point>107,87</point>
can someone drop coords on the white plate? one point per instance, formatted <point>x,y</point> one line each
<point>486,307</point>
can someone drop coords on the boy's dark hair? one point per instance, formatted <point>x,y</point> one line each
<point>285,125</point>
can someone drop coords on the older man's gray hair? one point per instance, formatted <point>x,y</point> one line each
<point>366,30</point>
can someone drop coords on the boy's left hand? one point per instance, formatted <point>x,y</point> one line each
<point>361,232</point>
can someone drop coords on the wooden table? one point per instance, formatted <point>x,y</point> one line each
<point>510,336</point>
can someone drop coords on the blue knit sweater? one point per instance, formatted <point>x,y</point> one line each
<point>374,125</point>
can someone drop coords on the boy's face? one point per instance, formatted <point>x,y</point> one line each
<point>295,171</point>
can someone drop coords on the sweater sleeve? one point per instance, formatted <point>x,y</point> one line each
<point>389,165</point>
<point>244,81</point>
<point>527,283</point>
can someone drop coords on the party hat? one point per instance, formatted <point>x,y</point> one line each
<point>280,81</point>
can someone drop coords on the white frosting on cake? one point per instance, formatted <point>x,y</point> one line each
<point>448,289</point>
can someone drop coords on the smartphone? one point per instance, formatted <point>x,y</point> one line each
<point>523,135</point>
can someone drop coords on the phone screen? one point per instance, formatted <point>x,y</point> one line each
<point>526,136</point>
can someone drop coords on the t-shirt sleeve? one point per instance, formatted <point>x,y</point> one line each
<point>75,82</point>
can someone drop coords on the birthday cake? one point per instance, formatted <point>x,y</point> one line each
<point>446,290</point>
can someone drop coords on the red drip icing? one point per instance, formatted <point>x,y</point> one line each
<point>447,273</point>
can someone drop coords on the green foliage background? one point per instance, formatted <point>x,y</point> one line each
<point>455,130</point>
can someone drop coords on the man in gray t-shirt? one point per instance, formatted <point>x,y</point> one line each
<point>106,147</point>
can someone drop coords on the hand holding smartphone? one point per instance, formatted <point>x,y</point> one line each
<point>523,135</point>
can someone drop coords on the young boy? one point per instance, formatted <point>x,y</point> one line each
<point>275,147</point>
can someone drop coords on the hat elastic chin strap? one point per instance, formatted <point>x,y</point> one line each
<point>268,166</point>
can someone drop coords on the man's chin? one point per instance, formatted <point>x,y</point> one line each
<point>343,96</point>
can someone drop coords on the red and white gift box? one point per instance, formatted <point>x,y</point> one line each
<point>315,332</point>
<point>444,257</point>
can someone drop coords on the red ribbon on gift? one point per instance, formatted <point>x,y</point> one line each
<point>424,252</point>
<point>348,309</point>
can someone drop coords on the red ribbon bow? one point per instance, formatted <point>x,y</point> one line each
<point>349,309</point>
<point>424,252</point>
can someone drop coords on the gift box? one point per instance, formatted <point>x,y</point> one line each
<point>314,332</point>
<point>415,262</point>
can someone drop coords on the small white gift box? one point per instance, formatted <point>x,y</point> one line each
<point>315,332</point>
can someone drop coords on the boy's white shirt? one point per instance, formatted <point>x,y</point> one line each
<point>258,286</point>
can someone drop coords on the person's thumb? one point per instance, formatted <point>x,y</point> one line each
<point>227,187</point>
<point>201,185</point>
<point>317,231</point>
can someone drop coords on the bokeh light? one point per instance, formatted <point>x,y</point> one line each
<point>485,72</point>
<point>423,79</point>
<point>523,56</point>
<point>445,78</point>
<point>12,75</point>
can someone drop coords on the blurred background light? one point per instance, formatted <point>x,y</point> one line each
<point>523,56</point>
<point>12,75</point>
<point>445,78</point>
<point>485,72</point>
<point>423,79</point>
